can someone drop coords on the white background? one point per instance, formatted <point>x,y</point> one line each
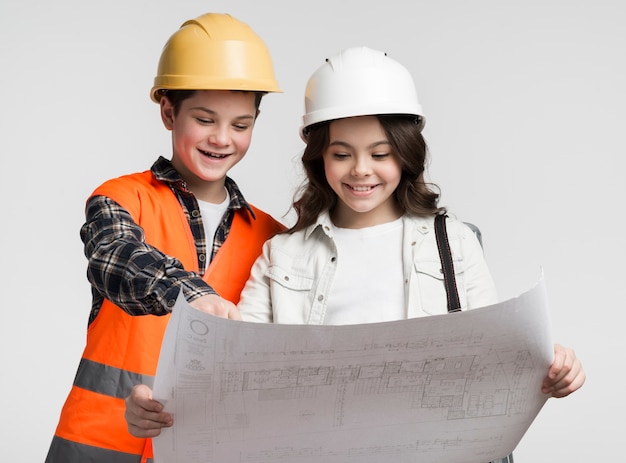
<point>525,106</point>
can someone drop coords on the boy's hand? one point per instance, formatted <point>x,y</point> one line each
<point>565,375</point>
<point>215,305</point>
<point>144,415</point>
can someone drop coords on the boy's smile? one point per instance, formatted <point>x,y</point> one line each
<point>211,132</point>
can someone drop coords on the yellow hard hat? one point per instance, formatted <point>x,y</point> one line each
<point>214,52</point>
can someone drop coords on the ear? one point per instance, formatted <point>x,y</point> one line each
<point>167,112</point>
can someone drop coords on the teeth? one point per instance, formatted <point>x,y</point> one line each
<point>361,188</point>
<point>213,155</point>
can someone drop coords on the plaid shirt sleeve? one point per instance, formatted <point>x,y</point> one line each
<point>123,268</point>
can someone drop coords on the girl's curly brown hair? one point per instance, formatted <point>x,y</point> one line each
<point>414,195</point>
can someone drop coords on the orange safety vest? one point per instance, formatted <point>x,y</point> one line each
<point>123,350</point>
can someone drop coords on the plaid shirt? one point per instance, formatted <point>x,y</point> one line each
<point>138,277</point>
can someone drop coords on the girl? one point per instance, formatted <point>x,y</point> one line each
<point>363,248</point>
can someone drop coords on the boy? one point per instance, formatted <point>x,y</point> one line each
<point>181,226</point>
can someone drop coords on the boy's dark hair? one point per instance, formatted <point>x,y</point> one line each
<point>413,194</point>
<point>177,97</point>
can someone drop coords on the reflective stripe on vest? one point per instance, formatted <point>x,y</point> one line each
<point>108,380</point>
<point>65,450</point>
<point>96,420</point>
<point>122,350</point>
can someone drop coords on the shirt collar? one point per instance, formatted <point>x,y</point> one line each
<point>164,171</point>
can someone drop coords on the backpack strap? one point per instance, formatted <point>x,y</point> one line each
<point>447,266</point>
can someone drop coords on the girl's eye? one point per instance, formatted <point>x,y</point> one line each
<point>380,155</point>
<point>341,155</point>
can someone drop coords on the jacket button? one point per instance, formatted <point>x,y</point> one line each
<point>286,277</point>
<point>320,297</point>
<point>195,213</point>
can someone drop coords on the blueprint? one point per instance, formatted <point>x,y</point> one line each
<point>461,387</point>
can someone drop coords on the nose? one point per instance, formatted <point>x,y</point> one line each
<point>361,167</point>
<point>220,136</point>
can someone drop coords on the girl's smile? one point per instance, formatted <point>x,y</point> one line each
<point>363,171</point>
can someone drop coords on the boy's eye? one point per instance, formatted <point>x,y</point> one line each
<point>202,120</point>
<point>241,126</point>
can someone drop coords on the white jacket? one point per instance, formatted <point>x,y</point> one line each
<point>290,280</point>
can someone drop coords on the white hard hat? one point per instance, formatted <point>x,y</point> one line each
<point>359,81</point>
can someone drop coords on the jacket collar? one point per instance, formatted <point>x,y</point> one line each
<point>323,222</point>
<point>412,225</point>
<point>421,225</point>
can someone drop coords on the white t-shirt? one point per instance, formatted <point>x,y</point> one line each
<point>368,286</point>
<point>211,217</point>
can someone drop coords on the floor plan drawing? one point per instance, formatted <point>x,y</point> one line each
<point>462,387</point>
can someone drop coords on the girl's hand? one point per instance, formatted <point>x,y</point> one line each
<point>565,375</point>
